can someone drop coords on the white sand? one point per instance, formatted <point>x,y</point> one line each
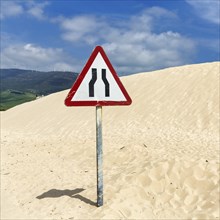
<point>161,154</point>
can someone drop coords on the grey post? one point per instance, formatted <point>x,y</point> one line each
<point>99,155</point>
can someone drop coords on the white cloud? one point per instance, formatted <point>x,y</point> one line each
<point>153,52</point>
<point>29,56</point>
<point>132,45</point>
<point>10,8</point>
<point>80,28</point>
<point>37,9</point>
<point>207,9</point>
<point>15,8</point>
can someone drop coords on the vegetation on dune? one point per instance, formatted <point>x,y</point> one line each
<point>9,99</point>
<point>19,86</point>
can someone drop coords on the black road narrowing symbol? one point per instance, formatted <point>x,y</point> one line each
<point>106,83</point>
<point>93,80</point>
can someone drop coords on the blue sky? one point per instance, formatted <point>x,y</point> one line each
<point>138,35</point>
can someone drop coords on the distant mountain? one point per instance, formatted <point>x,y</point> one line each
<point>38,82</point>
<point>18,84</point>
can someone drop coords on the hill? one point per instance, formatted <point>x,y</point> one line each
<point>19,86</point>
<point>161,154</point>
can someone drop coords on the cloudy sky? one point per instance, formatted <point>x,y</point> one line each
<point>138,35</point>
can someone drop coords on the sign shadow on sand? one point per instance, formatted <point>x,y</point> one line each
<point>55,193</point>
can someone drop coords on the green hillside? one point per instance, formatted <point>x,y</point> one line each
<point>10,99</point>
<point>19,86</point>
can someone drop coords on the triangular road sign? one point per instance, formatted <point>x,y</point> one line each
<point>98,84</point>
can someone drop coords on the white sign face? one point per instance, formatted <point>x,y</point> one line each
<point>89,91</point>
<point>98,84</point>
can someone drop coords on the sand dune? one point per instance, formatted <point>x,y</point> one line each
<point>161,154</point>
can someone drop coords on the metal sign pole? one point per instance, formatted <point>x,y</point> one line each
<point>99,155</point>
<point>88,91</point>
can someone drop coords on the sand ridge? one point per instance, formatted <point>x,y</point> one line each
<point>161,154</point>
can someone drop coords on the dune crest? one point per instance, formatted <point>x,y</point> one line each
<point>161,154</point>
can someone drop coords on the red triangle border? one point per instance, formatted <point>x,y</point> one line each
<point>81,76</point>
